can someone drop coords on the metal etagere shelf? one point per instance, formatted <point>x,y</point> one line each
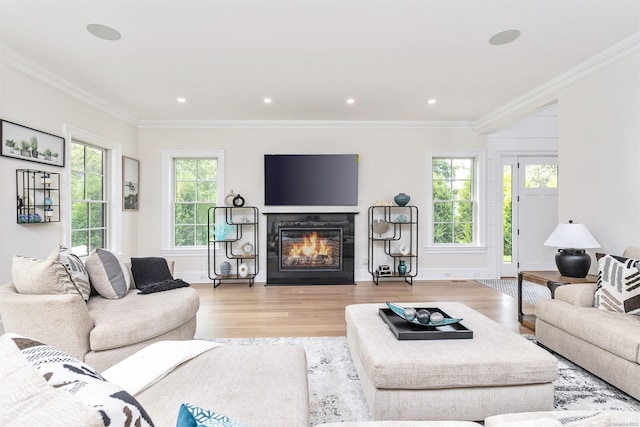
<point>233,238</point>
<point>393,240</point>
<point>38,196</point>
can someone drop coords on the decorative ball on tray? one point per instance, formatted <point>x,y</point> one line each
<point>422,317</point>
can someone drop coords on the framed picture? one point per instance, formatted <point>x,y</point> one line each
<point>130,184</point>
<point>24,143</point>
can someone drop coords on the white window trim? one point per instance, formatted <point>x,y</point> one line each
<point>167,198</point>
<point>480,212</point>
<point>113,191</point>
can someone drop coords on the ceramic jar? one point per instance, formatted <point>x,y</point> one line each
<point>225,268</point>
<point>402,268</point>
<point>401,199</point>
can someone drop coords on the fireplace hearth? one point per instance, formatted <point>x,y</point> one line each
<point>310,248</point>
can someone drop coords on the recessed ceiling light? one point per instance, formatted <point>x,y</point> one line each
<point>431,101</point>
<point>351,101</point>
<point>181,100</point>
<point>267,100</point>
<point>504,37</point>
<point>103,32</point>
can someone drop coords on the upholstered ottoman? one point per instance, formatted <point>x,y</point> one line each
<point>495,372</point>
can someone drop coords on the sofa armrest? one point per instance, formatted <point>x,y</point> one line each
<point>580,294</point>
<point>60,320</point>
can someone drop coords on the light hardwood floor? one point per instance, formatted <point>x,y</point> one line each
<point>235,310</point>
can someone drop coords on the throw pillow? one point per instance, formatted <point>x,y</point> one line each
<point>27,399</point>
<point>618,285</point>
<point>108,274</point>
<point>42,277</point>
<point>194,416</point>
<point>63,372</point>
<point>77,270</point>
<point>149,270</point>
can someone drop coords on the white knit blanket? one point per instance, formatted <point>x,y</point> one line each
<point>147,366</point>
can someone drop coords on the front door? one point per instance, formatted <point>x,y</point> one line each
<point>530,213</point>
<point>537,211</point>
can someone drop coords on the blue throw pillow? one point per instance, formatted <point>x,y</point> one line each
<point>193,416</point>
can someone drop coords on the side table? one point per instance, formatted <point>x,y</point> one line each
<point>550,279</point>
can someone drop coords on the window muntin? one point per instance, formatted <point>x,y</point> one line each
<point>195,190</point>
<point>453,200</point>
<point>88,197</point>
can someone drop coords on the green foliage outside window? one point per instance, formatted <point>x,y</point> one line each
<point>88,200</point>
<point>453,202</point>
<point>195,191</point>
<point>507,213</point>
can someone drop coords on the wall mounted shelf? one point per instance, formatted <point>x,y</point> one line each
<point>38,196</point>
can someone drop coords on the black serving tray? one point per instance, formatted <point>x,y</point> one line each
<point>404,330</point>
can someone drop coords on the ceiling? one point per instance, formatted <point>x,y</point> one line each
<point>309,56</point>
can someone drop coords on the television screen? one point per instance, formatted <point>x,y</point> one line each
<point>311,179</point>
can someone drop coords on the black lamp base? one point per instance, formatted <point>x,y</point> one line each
<point>573,262</point>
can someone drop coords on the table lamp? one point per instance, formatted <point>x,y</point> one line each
<point>571,240</point>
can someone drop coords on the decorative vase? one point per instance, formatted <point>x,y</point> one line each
<point>225,268</point>
<point>401,199</point>
<point>402,268</point>
<point>238,201</point>
<point>48,201</point>
<point>228,199</point>
<point>243,270</point>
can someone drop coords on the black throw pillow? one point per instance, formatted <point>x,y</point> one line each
<point>149,270</point>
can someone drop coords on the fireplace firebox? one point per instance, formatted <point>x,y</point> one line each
<point>310,248</point>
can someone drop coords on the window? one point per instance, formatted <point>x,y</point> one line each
<point>194,182</point>
<point>453,217</point>
<point>88,197</point>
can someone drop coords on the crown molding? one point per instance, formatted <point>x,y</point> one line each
<point>12,59</point>
<point>301,124</point>
<point>541,94</point>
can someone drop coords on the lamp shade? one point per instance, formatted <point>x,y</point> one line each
<point>572,235</point>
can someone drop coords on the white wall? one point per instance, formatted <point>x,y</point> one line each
<point>391,161</point>
<point>599,150</point>
<point>31,102</point>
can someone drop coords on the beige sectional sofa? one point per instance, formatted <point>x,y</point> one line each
<point>604,342</point>
<point>101,331</point>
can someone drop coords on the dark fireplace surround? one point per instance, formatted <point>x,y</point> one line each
<point>310,248</point>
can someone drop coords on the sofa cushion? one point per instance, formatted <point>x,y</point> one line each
<point>622,336</point>
<point>42,277</point>
<point>149,270</point>
<point>618,285</point>
<point>159,313</point>
<point>108,274</point>
<point>258,385</point>
<point>77,270</point>
<point>27,399</point>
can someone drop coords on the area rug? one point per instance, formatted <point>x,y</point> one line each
<point>531,292</point>
<point>335,394</point>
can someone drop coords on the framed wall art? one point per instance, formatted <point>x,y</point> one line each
<point>25,143</point>
<point>130,184</point>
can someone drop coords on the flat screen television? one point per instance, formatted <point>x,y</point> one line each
<point>311,179</point>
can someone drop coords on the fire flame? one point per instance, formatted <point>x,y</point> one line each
<point>311,247</point>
